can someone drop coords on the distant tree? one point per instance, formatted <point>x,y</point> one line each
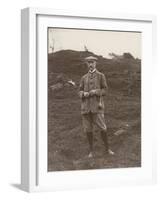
<point>128,56</point>
<point>115,56</point>
<point>137,59</point>
<point>52,45</point>
<point>85,48</point>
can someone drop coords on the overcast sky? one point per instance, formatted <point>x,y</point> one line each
<point>99,42</point>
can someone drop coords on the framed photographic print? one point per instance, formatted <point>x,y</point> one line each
<point>86,99</point>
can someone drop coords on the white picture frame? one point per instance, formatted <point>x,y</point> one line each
<point>32,177</point>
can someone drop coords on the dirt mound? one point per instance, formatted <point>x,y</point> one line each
<point>122,74</point>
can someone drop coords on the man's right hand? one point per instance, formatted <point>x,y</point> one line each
<point>86,94</point>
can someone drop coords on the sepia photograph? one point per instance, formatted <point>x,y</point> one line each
<point>94,99</point>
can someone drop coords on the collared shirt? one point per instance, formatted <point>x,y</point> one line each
<point>92,71</point>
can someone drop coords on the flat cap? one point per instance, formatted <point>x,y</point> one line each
<point>91,58</point>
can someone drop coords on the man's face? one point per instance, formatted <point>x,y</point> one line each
<point>91,65</point>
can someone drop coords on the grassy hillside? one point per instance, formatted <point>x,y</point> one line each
<point>67,144</point>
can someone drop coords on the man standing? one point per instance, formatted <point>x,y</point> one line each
<point>92,89</point>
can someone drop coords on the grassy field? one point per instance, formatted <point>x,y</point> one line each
<point>67,144</point>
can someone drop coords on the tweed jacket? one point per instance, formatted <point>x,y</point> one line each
<point>92,81</point>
